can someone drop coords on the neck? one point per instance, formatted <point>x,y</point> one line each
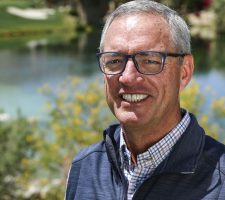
<point>139,139</point>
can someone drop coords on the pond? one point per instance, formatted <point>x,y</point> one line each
<point>27,65</point>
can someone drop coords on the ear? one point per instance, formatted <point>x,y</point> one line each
<point>187,69</point>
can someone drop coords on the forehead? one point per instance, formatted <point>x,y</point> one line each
<point>137,31</point>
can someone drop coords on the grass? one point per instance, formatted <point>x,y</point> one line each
<point>17,3</point>
<point>16,26</point>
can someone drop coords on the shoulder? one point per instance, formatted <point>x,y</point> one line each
<point>212,151</point>
<point>85,165</point>
<point>213,144</point>
<point>214,147</point>
<point>90,151</point>
<point>99,149</point>
<point>215,153</point>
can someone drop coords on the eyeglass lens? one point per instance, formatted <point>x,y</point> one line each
<point>146,62</point>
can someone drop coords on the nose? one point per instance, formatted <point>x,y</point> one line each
<point>130,75</point>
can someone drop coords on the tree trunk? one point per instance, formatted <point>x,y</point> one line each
<point>91,12</point>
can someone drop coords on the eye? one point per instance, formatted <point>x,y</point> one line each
<point>114,61</point>
<point>150,61</point>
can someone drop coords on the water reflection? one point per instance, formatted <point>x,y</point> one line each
<point>29,65</point>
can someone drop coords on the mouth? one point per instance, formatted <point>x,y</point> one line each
<point>134,97</point>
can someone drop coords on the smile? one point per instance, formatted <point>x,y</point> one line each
<point>134,97</point>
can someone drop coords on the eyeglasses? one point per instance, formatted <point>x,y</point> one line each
<point>146,62</point>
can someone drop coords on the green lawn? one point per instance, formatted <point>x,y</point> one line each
<point>11,25</point>
<point>17,3</point>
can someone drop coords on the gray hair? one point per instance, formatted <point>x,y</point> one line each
<point>179,31</point>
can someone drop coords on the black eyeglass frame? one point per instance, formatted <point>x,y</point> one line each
<point>132,56</point>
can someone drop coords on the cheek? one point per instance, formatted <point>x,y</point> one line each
<point>110,94</point>
<point>173,88</point>
<point>110,88</point>
<point>168,87</point>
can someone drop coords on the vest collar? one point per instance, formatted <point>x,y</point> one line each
<point>183,158</point>
<point>187,151</point>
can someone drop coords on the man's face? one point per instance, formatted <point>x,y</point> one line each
<point>137,100</point>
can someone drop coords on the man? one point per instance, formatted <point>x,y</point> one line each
<point>158,151</point>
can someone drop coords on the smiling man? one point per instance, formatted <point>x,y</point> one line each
<point>158,150</point>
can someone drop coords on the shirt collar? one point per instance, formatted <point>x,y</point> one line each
<point>159,151</point>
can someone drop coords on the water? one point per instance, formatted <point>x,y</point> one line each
<point>23,73</point>
<point>25,69</point>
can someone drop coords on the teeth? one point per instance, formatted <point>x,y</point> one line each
<point>134,97</point>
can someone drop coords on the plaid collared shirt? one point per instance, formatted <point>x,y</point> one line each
<point>148,161</point>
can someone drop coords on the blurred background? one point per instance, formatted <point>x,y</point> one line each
<point>51,91</point>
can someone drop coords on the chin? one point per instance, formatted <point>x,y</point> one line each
<point>129,120</point>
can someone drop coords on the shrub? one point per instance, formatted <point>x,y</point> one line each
<point>17,138</point>
<point>77,116</point>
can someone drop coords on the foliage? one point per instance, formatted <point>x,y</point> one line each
<point>218,6</point>
<point>90,13</point>
<point>17,138</point>
<point>219,107</point>
<point>193,100</point>
<point>77,115</point>
<point>184,6</point>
